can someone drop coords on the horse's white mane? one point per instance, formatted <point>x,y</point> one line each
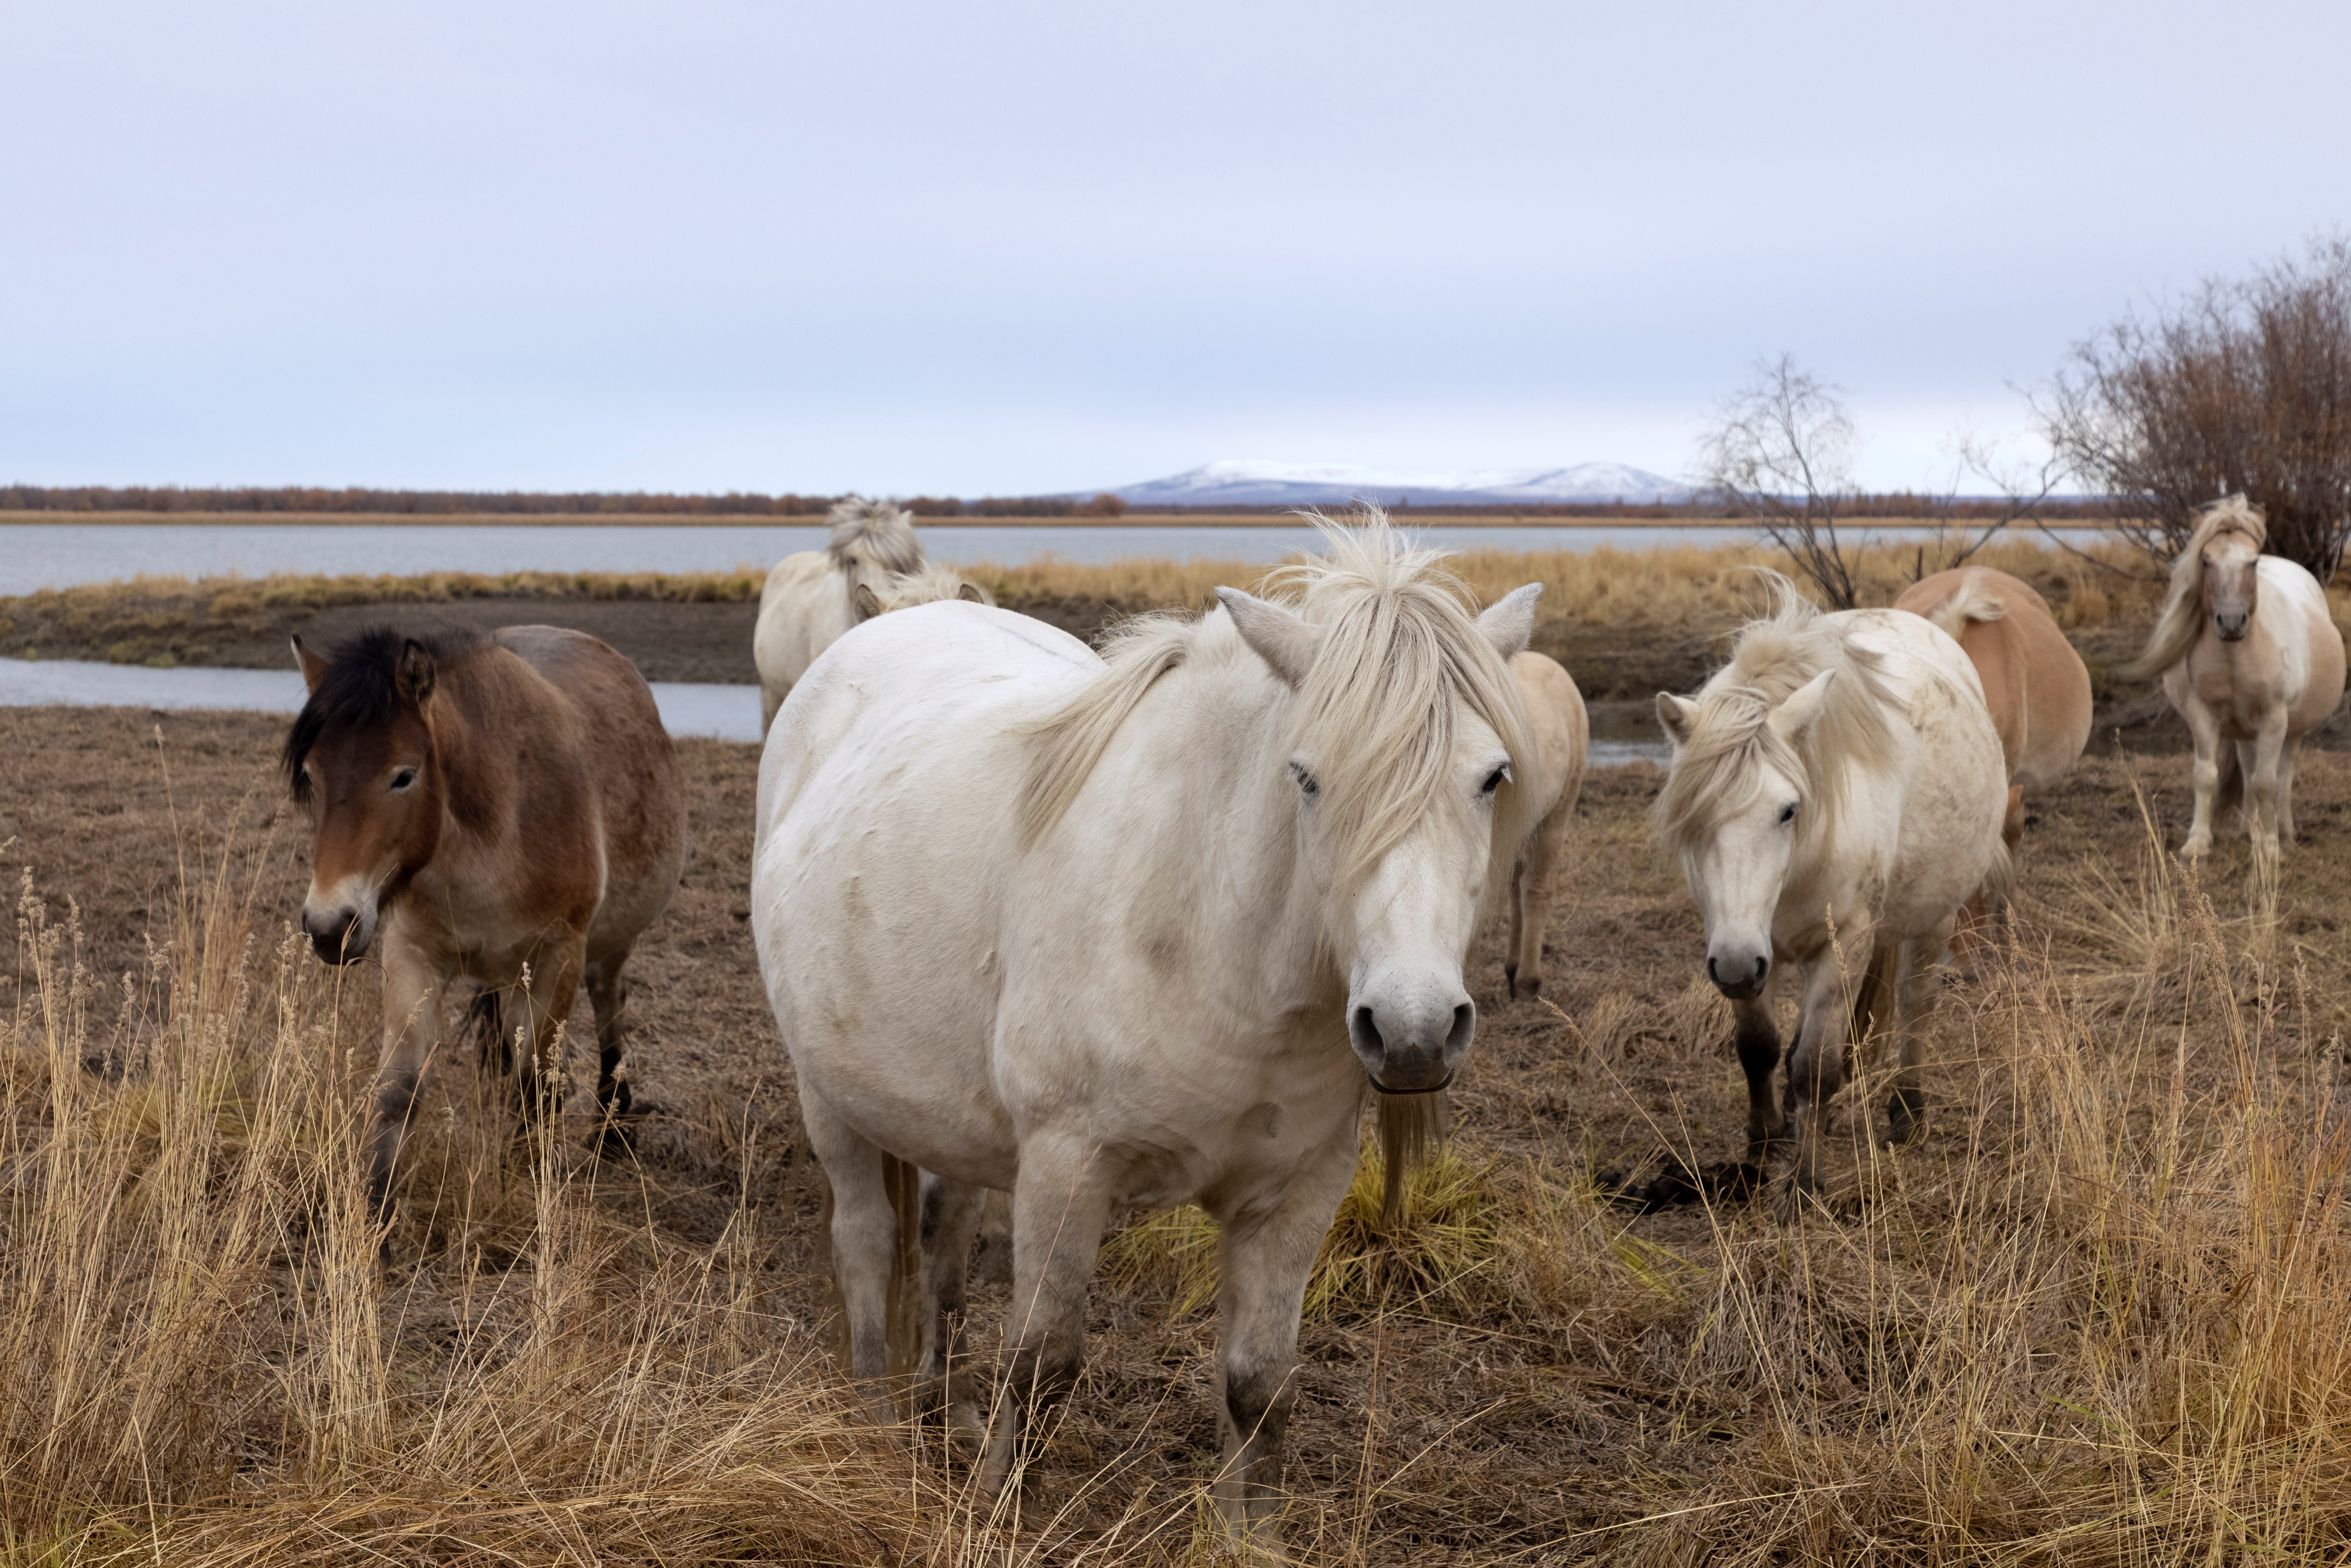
<point>883,534</point>
<point>1400,649</point>
<point>2181,620</point>
<point>1716,767</point>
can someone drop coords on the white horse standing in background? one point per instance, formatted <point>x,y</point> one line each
<point>1101,932</point>
<point>810,597</point>
<point>2251,658</point>
<point>1838,792</point>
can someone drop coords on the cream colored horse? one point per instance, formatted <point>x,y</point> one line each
<point>810,597</point>
<point>1836,792</point>
<point>1562,736</point>
<point>1102,930</point>
<point>2035,685</point>
<point>2251,658</point>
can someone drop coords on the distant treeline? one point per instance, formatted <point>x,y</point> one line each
<point>167,498</point>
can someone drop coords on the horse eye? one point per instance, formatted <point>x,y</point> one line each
<point>1494,781</point>
<point>1788,812</point>
<point>404,778</point>
<point>1306,782</point>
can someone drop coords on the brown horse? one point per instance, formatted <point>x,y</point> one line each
<point>504,808</point>
<point>2034,683</point>
<point>1562,737</point>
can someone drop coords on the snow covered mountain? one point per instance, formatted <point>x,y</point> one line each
<point>1244,483</point>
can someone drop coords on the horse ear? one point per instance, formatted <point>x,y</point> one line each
<point>1804,705</point>
<point>413,679</point>
<point>1676,715</point>
<point>313,668</point>
<point>1281,636</point>
<point>867,603</point>
<point>1510,623</point>
<point>970,594</point>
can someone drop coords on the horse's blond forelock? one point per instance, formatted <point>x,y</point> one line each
<point>1717,767</point>
<point>1397,654</point>
<point>2181,622</point>
<point>929,584</point>
<point>873,532</point>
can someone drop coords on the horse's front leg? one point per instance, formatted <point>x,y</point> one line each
<point>1264,1261</point>
<point>951,1212</point>
<point>546,996</point>
<point>1756,1035</point>
<point>1060,1205</point>
<point>1816,1067</point>
<point>2261,816</point>
<point>412,985</point>
<point>2204,729</point>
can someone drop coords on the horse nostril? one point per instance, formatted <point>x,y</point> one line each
<point>1465,1024</point>
<point>1762,964</point>
<point>1367,1032</point>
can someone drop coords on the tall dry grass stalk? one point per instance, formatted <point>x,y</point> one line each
<point>202,1365</point>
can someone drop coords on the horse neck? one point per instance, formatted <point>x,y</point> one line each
<point>461,759</point>
<point>1225,728</point>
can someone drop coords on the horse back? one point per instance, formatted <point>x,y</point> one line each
<point>2036,685</point>
<point>597,780</point>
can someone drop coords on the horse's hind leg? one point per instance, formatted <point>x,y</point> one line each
<point>1060,1205</point>
<point>864,1236</point>
<point>608,995</point>
<point>1921,988</point>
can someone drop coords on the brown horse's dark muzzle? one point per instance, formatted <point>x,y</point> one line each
<point>338,935</point>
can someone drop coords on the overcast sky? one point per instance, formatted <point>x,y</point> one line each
<point>1010,247</point>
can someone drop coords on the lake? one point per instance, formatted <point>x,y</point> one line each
<point>62,555</point>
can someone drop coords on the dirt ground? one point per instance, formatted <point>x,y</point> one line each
<point>1492,1435</point>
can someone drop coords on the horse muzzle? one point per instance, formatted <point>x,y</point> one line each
<point>1413,1044</point>
<point>338,936</point>
<point>2231,629</point>
<point>1739,975</point>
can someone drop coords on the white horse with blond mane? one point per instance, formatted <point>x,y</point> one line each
<point>873,563</point>
<point>1836,793</point>
<point>2251,658</point>
<point>1101,931</point>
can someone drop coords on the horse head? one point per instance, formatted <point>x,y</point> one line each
<point>1406,733</point>
<point>2232,570</point>
<point>361,759</point>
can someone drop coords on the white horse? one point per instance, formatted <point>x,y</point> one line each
<point>1102,931</point>
<point>810,597</point>
<point>1836,792</point>
<point>1562,736</point>
<point>2251,659</point>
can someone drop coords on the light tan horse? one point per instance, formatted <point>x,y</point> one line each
<point>1562,737</point>
<point>2251,658</point>
<point>2035,684</point>
<point>810,597</point>
<point>504,809</point>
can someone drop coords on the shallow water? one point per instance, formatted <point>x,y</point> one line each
<point>726,712</point>
<point>723,713</point>
<point>64,555</point>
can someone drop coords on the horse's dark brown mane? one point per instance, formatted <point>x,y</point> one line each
<point>362,688</point>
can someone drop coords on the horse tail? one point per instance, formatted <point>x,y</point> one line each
<point>1409,1126</point>
<point>1972,602</point>
<point>903,1180</point>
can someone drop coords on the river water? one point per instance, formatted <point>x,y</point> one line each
<point>64,555</point>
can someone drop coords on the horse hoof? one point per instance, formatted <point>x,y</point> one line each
<point>1511,979</point>
<point>1533,986</point>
